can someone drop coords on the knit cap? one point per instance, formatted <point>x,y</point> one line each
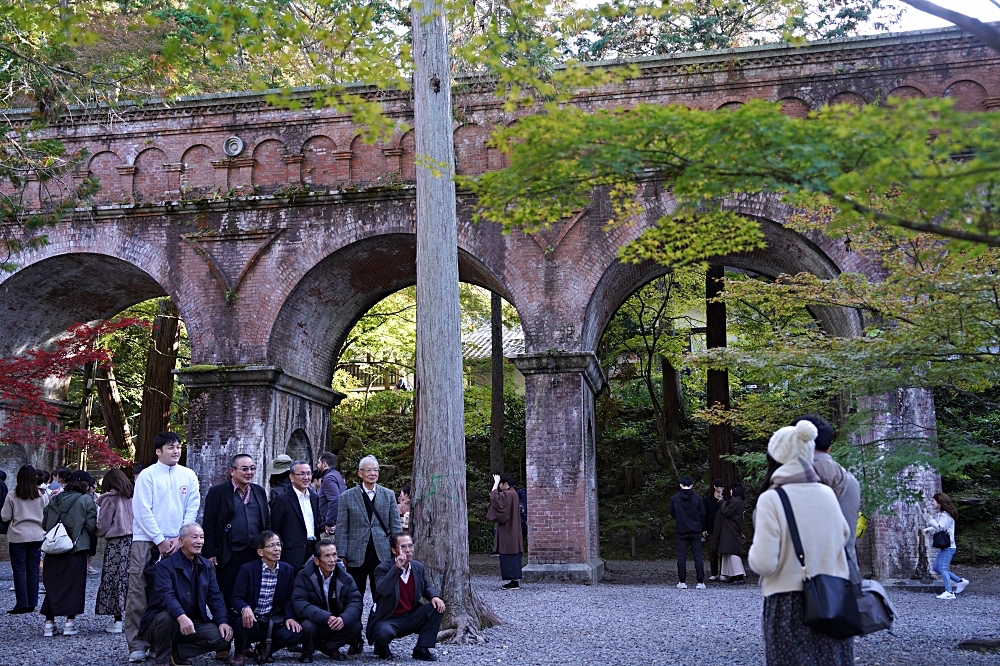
<point>793,443</point>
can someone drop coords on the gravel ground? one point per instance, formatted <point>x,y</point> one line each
<point>637,616</point>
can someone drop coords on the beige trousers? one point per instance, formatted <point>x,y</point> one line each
<point>135,603</point>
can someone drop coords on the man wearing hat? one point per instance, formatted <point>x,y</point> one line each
<point>711,502</point>
<point>278,472</point>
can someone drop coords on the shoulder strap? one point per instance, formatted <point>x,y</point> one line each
<point>793,528</point>
<point>380,521</point>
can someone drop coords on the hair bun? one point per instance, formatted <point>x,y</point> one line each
<point>805,431</point>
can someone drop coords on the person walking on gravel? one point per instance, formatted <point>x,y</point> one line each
<point>114,524</point>
<point>788,640</point>
<point>729,533</point>
<point>688,511</point>
<point>942,519</point>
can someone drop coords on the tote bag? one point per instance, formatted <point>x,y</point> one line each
<point>56,541</point>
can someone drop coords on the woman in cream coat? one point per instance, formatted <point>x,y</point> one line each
<point>824,533</point>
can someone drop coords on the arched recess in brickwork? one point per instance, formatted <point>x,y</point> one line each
<point>408,160</point>
<point>794,107</point>
<point>848,97</point>
<point>471,157</point>
<point>335,293</point>
<point>268,166</point>
<point>150,180</point>
<point>198,176</point>
<point>729,106</point>
<point>367,162</point>
<point>43,299</point>
<point>298,447</point>
<point>906,92</point>
<point>104,168</point>
<point>968,95</point>
<point>319,164</point>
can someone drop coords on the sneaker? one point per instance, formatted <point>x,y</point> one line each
<point>69,629</point>
<point>682,586</point>
<point>723,579</point>
<point>713,578</point>
<point>116,627</point>
<point>946,595</point>
<point>49,629</point>
<point>960,586</point>
<point>512,585</point>
<point>137,656</point>
<point>91,571</point>
<point>700,586</point>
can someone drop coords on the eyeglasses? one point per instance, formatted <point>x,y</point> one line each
<point>274,544</point>
<point>369,471</point>
<point>406,546</point>
<point>303,474</point>
<point>245,469</point>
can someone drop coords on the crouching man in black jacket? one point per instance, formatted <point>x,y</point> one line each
<point>262,601</point>
<point>186,616</point>
<point>327,603</point>
<point>401,585</point>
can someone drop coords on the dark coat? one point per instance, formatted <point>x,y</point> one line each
<point>729,527</point>
<point>505,512</point>
<point>172,591</point>
<point>288,522</point>
<point>309,604</point>
<point>387,590</point>
<point>329,493</point>
<point>711,510</point>
<point>79,517</point>
<point>688,510</point>
<point>220,505</point>
<point>247,590</point>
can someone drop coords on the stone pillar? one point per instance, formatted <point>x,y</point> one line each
<point>343,159</point>
<point>561,460</point>
<point>173,172</point>
<point>900,549</point>
<point>127,174</point>
<point>293,169</point>
<point>252,409</point>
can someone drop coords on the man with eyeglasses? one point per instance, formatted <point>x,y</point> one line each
<point>366,518</point>
<point>236,512</point>
<point>296,517</point>
<point>328,604</point>
<point>262,603</point>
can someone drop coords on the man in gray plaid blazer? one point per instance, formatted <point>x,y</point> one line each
<point>366,519</point>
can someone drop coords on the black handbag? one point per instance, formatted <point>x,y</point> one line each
<point>941,540</point>
<point>828,602</point>
<point>874,607</point>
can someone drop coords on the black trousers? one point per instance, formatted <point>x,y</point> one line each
<point>163,634</point>
<point>281,636</point>
<point>328,638</point>
<point>423,620</point>
<point>226,573</point>
<point>713,558</point>
<point>367,570</point>
<point>684,541</point>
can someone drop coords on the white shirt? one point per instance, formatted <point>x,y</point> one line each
<point>371,493</point>
<point>166,498</point>
<point>326,584</point>
<point>404,575</point>
<point>307,512</point>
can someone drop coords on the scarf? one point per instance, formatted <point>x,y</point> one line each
<point>794,471</point>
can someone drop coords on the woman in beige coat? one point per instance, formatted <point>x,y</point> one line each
<point>24,508</point>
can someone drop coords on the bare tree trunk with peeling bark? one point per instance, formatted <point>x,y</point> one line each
<point>158,386</point>
<point>115,422</point>
<point>439,513</point>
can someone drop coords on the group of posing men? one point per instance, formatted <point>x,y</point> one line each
<point>271,575</point>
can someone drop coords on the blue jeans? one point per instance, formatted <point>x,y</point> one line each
<point>24,558</point>
<point>941,564</point>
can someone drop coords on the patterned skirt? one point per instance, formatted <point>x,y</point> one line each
<point>789,642</point>
<point>114,576</point>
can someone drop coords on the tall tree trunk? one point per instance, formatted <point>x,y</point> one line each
<point>115,421</point>
<point>720,436</point>
<point>496,375</point>
<point>86,406</point>
<point>439,512</point>
<point>673,400</point>
<point>158,387</point>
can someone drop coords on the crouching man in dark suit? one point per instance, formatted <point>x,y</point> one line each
<point>400,585</point>
<point>327,603</point>
<point>186,616</point>
<point>262,598</point>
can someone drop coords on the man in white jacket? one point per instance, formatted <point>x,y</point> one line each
<point>166,498</point>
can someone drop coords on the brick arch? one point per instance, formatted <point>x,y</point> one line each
<point>336,292</point>
<point>268,172</point>
<point>906,92</point>
<point>319,165</point>
<point>104,168</point>
<point>471,156</point>
<point>198,176</point>
<point>795,107</point>
<point>848,97</point>
<point>367,162</point>
<point>968,95</point>
<point>150,180</point>
<point>731,105</point>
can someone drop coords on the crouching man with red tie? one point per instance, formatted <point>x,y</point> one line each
<point>401,585</point>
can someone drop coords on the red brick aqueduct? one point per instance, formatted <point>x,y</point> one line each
<point>310,227</point>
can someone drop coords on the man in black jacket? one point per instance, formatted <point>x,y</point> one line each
<point>236,512</point>
<point>327,603</point>
<point>262,601</point>
<point>711,502</point>
<point>296,517</point>
<point>186,615</point>
<point>401,584</point>
<point>689,512</point>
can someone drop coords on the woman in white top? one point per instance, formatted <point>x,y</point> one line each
<point>943,520</point>
<point>24,507</point>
